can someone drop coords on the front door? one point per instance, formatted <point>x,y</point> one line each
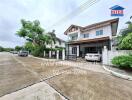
<point>74,50</point>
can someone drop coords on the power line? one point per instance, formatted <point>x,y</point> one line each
<point>76,12</point>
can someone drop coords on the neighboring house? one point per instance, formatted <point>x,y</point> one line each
<point>92,38</point>
<point>59,43</point>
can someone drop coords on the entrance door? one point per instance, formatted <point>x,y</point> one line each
<point>74,50</point>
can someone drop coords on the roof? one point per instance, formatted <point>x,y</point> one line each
<point>95,25</point>
<point>71,27</point>
<point>116,7</point>
<point>89,40</point>
<point>60,39</point>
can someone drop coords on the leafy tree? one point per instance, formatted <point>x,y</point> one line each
<point>127,30</point>
<point>35,35</point>
<point>29,46</point>
<point>126,42</point>
<point>125,38</point>
<point>53,36</point>
<point>1,49</point>
<point>8,49</point>
<point>18,48</point>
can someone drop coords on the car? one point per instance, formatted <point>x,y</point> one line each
<point>14,52</point>
<point>93,57</point>
<point>23,53</point>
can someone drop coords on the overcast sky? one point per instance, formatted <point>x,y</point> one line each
<point>50,11</point>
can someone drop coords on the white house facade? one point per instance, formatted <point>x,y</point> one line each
<point>92,38</point>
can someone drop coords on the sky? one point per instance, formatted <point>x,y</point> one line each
<point>49,12</point>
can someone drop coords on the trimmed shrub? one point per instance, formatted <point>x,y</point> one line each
<point>124,61</point>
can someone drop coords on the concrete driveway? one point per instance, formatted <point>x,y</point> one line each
<point>58,80</point>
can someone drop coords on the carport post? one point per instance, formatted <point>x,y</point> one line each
<point>63,54</point>
<point>57,55</point>
<point>49,54</point>
<point>44,53</point>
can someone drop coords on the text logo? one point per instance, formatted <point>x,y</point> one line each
<point>117,11</point>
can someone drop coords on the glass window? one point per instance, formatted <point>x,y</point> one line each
<point>86,35</point>
<point>99,32</point>
<point>74,37</point>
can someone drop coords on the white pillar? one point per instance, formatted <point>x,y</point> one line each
<point>49,54</point>
<point>57,54</point>
<point>63,54</point>
<point>105,56</point>
<point>78,51</point>
<point>44,53</point>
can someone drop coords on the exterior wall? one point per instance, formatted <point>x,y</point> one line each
<point>107,55</point>
<point>92,33</point>
<point>56,44</point>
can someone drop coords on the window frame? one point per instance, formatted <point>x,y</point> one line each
<point>86,35</point>
<point>99,32</point>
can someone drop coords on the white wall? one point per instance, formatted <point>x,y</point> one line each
<point>56,44</point>
<point>107,56</point>
<point>92,33</point>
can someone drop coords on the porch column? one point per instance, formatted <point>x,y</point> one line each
<point>63,54</point>
<point>78,51</point>
<point>105,56</point>
<point>57,54</point>
<point>49,54</point>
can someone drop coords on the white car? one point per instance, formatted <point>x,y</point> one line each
<point>93,57</point>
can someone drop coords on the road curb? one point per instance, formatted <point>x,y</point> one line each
<point>123,76</point>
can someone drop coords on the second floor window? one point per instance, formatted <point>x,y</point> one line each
<point>99,32</point>
<point>86,35</point>
<point>74,37</point>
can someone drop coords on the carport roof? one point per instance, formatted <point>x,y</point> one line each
<point>88,40</point>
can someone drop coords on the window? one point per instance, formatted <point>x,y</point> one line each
<point>100,32</point>
<point>74,37</point>
<point>86,35</point>
<point>74,50</point>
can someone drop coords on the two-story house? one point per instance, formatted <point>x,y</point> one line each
<point>92,38</point>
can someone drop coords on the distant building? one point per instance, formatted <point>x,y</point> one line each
<point>92,38</point>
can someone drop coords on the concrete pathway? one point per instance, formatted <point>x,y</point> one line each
<point>39,91</point>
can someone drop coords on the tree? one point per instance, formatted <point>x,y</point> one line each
<point>29,46</point>
<point>53,37</point>
<point>34,33</point>
<point>126,42</point>
<point>31,31</point>
<point>1,49</point>
<point>127,30</point>
<point>125,38</point>
<point>18,48</point>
